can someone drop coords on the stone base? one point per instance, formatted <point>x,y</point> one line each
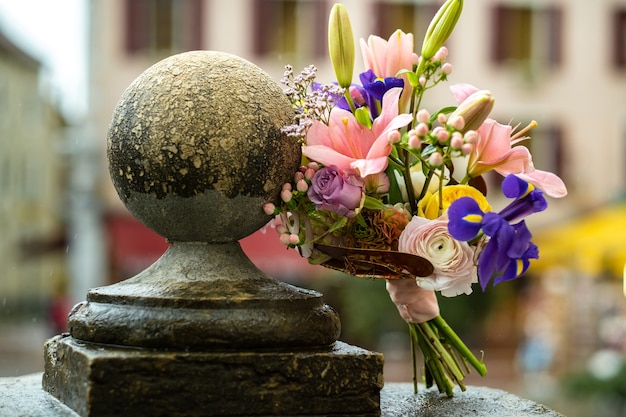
<point>23,397</point>
<point>100,381</point>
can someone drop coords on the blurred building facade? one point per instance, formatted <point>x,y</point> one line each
<point>32,266</point>
<point>560,62</point>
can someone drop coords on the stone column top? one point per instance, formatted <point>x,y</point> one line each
<point>195,147</point>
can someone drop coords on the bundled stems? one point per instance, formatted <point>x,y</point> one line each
<point>440,346</point>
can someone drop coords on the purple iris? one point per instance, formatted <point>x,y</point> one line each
<point>528,200</point>
<point>377,87</point>
<point>359,97</point>
<point>371,93</point>
<point>507,253</point>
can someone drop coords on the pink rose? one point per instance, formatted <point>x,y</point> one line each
<point>453,260</point>
<point>332,191</point>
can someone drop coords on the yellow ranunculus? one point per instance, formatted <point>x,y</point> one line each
<point>428,207</point>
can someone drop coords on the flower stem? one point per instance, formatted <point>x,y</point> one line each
<point>458,344</point>
<point>406,173</point>
<point>413,359</point>
<point>440,346</point>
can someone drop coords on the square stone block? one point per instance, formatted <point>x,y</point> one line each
<point>101,381</point>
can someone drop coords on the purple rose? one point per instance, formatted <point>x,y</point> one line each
<point>331,191</point>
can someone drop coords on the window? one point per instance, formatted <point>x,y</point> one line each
<point>546,146</point>
<point>527,36</point>
<point>163,27</point>
<point>290,27</point>
<point>408,17</point>
<point>619,39</point>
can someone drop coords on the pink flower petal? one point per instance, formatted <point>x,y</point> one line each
<point>550,183</point>
<point>370,166</point>
<point>327,156</point>
<point>461,91</point>
<point>389,119</point>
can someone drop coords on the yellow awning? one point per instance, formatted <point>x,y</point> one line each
<point>592,244</point>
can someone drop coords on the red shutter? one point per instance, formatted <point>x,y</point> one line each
<point>555,19</point>
<point>135,25</point>
<point>619,39</point>
<point>262,26</point>
<point>193,24</point>
<point>320,45</point>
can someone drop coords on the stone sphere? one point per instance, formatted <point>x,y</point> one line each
<point>195,147</point>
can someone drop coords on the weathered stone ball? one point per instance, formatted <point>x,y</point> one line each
<point>195,147</point>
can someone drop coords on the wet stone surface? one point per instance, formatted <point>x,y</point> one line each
<point>23,397</point>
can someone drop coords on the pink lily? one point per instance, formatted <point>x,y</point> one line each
<point>461,91</point>
<point>346,143</point>
<point>388,57</point>
<point>494,150</point>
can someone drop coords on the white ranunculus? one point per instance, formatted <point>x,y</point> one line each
<point>418,179</point>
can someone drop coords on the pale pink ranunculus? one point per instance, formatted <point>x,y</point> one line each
<point>494,150</point>
<point>415,304</point>
<point>349,145</point>
<point>453,260</point>
<point>388,57</point>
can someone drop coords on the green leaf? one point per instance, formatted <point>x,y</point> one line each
<point>395,195</point>
<point>372,203</point>
<point>428,150</point>
<point>444,110</point>
<point>414,80</point>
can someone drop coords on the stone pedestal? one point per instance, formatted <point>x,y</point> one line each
<point>189,336</point>
<point>195,149</point>
<point>135,382</point>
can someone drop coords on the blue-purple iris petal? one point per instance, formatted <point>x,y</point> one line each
<point>521,240</point>
<point>515,268</point>
<point>459,212</point>
<point>534,202</point>
<point>514,187</point>
<point>519,266</point>
<point>379,87</point>
<point>372,102</point>
<point>492,223</point>
<point>487,263</point>
<point>507,253</point>
<point>367,77</point>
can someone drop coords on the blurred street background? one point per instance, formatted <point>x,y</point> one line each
<point>557,336</point>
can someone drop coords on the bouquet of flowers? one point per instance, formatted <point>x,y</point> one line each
<point>391,190</point>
